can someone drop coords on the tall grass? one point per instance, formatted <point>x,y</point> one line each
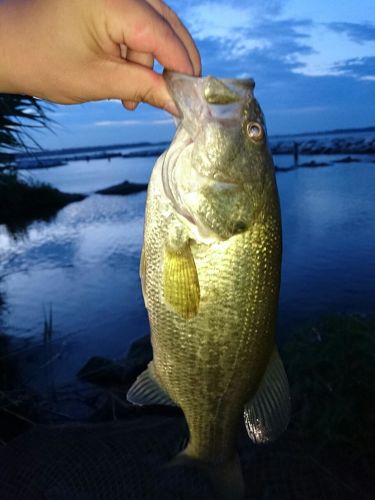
<point>21,202</point>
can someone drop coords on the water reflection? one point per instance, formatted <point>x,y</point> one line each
<point>85,261</point>
<point>328,220</point>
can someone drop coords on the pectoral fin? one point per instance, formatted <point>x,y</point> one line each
<point>180,282</point>
<point>147,390</point>
<point>267,414</point>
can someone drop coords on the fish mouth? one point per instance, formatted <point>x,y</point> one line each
<point>202,99</point>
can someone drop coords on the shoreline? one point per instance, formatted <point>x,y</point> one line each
<point>97,417</point>
<point>21,202</point>
<point>362,145</point>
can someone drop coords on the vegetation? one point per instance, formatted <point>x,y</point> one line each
<point>21,201</point>
<point>331,369</point>
<point>19,115</point>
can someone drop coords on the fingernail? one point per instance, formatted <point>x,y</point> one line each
<point>130,105</point>
<point>172,108</point>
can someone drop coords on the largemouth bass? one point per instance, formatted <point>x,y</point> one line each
<point>210,272</point>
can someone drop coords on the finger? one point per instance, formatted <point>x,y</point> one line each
<point>142,85</point>
<point>142,29</point>
<point>169,15</point>
<point>141,58</point>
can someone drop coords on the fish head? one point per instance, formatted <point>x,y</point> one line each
<point>219,161</point>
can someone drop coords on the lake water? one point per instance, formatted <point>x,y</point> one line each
<point>83,265</point>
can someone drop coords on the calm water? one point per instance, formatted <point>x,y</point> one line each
<point>84,263</point>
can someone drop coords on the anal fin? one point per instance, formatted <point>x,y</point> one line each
<point>267,414</point>
<point>146,390</point>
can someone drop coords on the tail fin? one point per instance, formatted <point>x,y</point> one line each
<point>226,477</point>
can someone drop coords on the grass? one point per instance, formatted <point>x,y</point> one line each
<point>328,451</point>
<point>331,369</point>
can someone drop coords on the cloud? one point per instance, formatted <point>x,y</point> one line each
<point>238,30</point>
<point>288,36</point>
<point>266,37</point>
<point>210,18</point>
<point>230,27</point>
<point>358,67</point>
<point>131,123</point>
<point>357,32</point>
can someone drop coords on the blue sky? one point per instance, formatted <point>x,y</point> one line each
<point>313,63</point>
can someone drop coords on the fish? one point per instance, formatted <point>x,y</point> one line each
<point>210,274</point>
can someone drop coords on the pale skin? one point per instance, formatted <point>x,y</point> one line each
<point>74,51</point>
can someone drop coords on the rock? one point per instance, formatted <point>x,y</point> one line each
<point>106,372</point>
<point>314,163</point>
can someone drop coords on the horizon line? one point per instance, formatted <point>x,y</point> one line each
<point>42,151</point>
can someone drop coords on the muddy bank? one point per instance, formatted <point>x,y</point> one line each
<point>21,202</point>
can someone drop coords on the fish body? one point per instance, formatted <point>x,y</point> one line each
<point>211,271</point>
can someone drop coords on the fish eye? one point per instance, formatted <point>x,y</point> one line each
<point>255,131</point>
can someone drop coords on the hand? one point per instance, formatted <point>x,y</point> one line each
<point>72,51</point>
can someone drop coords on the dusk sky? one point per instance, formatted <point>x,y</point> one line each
<point>313,63</point>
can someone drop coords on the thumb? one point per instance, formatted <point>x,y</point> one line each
<point>129,81</point>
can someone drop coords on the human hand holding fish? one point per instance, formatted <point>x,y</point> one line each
<point>73,51</point>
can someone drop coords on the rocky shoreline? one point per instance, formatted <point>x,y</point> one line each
<point>356,142</point>
<point>326,146</point>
